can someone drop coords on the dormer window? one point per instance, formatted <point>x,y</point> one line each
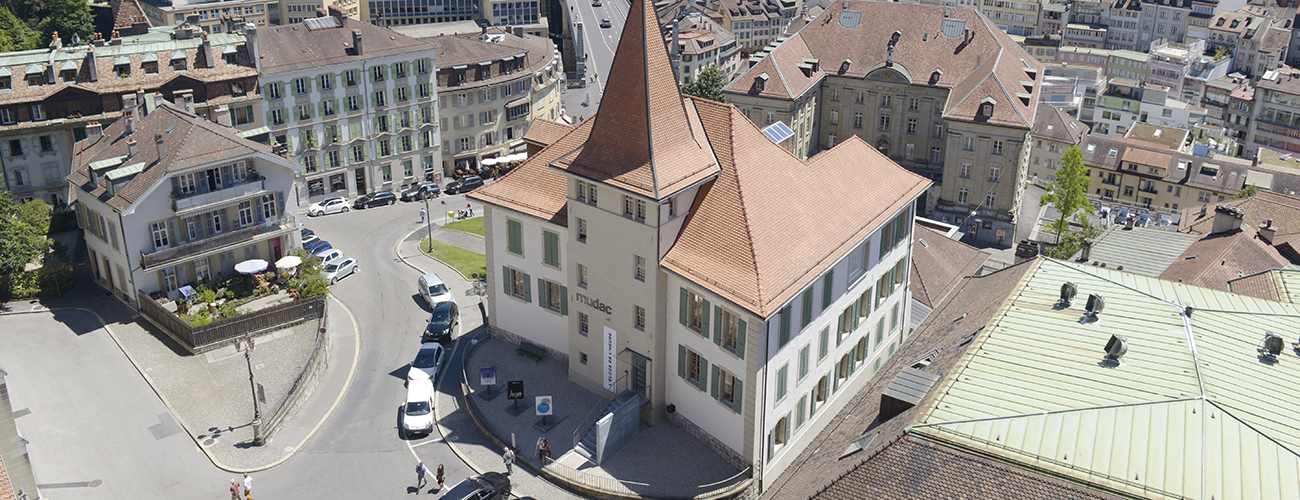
<point>34,79</point>
<point>760,82</point>
<point>123,70</point>
<point>935,76</point>
<point>844,66</point>
<point>986,107</point>
<point>68,75</point>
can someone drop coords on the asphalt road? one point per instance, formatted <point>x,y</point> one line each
<point>600,44</point>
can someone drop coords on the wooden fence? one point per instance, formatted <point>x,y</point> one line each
<point>202,338</point>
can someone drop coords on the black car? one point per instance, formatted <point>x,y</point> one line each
<point>375,200</point>
<point>489,486</point>
<point>307,232</point>
<point>445,317</point>
<point>465,185</point>
<point>420,191</point>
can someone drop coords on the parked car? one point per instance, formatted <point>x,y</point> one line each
<point>442,324</point>
<point>335,271</point>
<point>312,243</point>
<point>307,233</point>
<point>1143,220</point>
<point>375,200</point>
<point>489,486</point>
<point>330,206</point>
<point>464,185</point>
<point>322,248</point>
<point>417,414</point>
<point>595,3</point>
<point>604,23</point>
<point>428,362</point>
<point>328,256</point>
<point>1123,216</point>
<point>420,191</point>
<point>433,290</point>
<point>1165,220</point>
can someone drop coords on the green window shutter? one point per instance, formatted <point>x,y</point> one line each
<point>564,300</point>
<point>857,307</point>
<point>737,396</point>
<point>514,237</point>
<point>528,290</point>
<point>704,374</point>
<point>681,361</point>
<point>717,325</point>
<point>771,443</point>
<point>740,342</point>
<point>880,331</point>
<point>825,345</point>
<point>785,327</point>
<point>681,312</point>
<point>786,436</point>
<point>828,289</point>
<point>713,387</point>
<point>836,375</point>
<point>807,308</point>
<point>839,329</point>
<point>505,278</point>
<point>704,319</point>
<point>541,292</point>
<point>884,240</point>
<point>799,415</point>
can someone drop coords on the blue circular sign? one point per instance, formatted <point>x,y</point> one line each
<point>544,408</point>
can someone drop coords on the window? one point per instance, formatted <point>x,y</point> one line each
<point>399,69</point>
<point>38,112</point>
<point>727,388</point>
<point>516,284</point>
<point>379,98</point>
<point>783,335</point>
<point>159,231</point>
<point>273,91</point>
<point>885,100</point>
<point>628,206</point>
<point>965,170</point>
<point>358,154</point>
<point>970,144</point>
<point>639,265</point>
<point>963,196</point>
<point>582,276</point>
<point>780,433</point>
<point>935,155</point>
<point>693,372</point>
<point>639,322</point>
<point>246,214</point>
<point>327,108</point>
<point>857,120</point>
<point>47,143</point>
<point>403,93</point>
<point>909,151</point>
<point>835,117</point>
<point>582,230</point>
<point>514,237</point>
<point>277,117</point>
<point>378,73</point>
<point>782,375</point>
<point>300,86</point>
<point>7,116</point>
<point>994,173</point>
<point>422,66</point>
<point>583,325</point>
<point>555,298</point>
<point>268,206</point>
<point>354,103</point>
<point>990,199</point>
<point>914,104</point>
<point>15,147</point>
<point>997,147</point>
<point>695,313</point>
<point>884,123</point>
<point>911,126</point>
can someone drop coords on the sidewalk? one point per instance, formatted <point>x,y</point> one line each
<point>209,394</point>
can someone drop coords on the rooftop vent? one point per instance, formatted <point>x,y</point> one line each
<point>1115,349</point>
<point>1095,304</point>
<point>1068,291</point>
<point>1272,347</point>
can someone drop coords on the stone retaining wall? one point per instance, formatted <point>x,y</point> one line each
<point>307,380</point>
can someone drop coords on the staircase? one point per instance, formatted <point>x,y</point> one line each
<point>587,446</point>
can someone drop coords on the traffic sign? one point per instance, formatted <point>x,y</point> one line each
<point>544,405</point>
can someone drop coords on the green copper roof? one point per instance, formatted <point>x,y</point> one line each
<point>1193,411</point>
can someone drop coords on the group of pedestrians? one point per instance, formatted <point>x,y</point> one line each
<point>421,471</point>
<point>245,490</point>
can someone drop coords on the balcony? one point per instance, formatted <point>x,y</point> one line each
<point>195,248</point>
<point>1149,190</point>
<point>198,201</point>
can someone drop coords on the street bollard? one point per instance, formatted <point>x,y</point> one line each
<point>258,439</point>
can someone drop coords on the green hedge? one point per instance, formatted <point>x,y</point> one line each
<point>37,283</point>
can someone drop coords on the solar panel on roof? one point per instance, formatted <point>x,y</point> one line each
<point>320,23</point>
<point>778,132</point>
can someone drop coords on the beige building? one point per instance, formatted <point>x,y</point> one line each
<point>887,74</point>
<point>755,23</point>
<point>702,43</point>
<point>1013,18</point>
<point>1054,132</point>
<point>209,15</point>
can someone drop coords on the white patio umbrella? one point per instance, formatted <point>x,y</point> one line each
<point>487,162</point>
<point>251,266</point>
<point>288,261</point>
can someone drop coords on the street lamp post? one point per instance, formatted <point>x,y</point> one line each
<point>258,439</point>
<point>428,221</point>
<point>48,260</point>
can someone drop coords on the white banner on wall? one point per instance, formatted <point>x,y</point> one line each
<point>611,361</point>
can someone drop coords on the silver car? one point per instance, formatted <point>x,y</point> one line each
<point>428,362</point>
<point>338,270</point>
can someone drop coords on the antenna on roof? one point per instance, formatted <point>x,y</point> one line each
<point>1095,304</point>
<point>1115,349</point>
<point>1068,291</point>
<point>1272,347</point>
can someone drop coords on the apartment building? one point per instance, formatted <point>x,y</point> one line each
<point>627,225</point>
<point>1073,89</point>
<point>1127,64</point>
<point>877,71</point>
<point>1163,21</point>
<point>490,88</point>
<point>1088,36</point>
<point>1204,69</point>
<point>1083,56</point>
<point>169,199</point>
<point>1275,120</point>
<point>1198,20</point>
<point>754,23</point>
<point>354,104</point>
<point>1237,119</point>
<point>49,96</point>
<point>1123,22</point>
<point>1013,18</point>
<point>1126,102</point>
<point>261,13</point>
<point>1053,18</point>
<point>1217,98</point>
<point>702,43</point>
<point>1170,63</point>
<point>1152,175</point>
<point>1255,42</point>
<point>1054,133</point>
<point>1043,47</point>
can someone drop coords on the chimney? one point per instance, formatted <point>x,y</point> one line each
<point>94,131</point>
<point>205,53</point>
<point>483,30</point>
<point>92,70</point>
<point>223,115</point>
<point>192,18</point>
<point>139,100</point>
<point>128,112</point>
<point>320,12</point>
<point>131,148</point>
<point>185,100</point>
<point>1086,253</point>
<point>519,31</point>
<point>339,15</point>
<point>158,142</point>
<point>675,51</point>
<point>117,38</point>
<point>1227,218</point>
<point>1267,231</point>
<point>250,45</point>
<point>356,41</point>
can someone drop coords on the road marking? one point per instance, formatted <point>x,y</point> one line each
<point>435,440</point>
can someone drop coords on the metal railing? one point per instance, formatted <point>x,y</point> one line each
<point>601,403</point>
<point>163,256</point>
<point>237,191</point>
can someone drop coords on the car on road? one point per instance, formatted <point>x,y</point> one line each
<point>375,200</point>
<point>335,271</point>
<point>420,191</point>
<point>428,362</point>
<point>1122,217</point>
<point>442,323</point>
<point>1165,221</point>
<point>489,486</point>
<point>464,185</point>
<point>595,3</point>
<point>330,206</point>
<point>604,23</point>
<point>1143,220</point>
<point>417,414</point>
<point>433,290</point>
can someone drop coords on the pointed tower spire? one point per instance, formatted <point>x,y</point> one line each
<point>646,139</point>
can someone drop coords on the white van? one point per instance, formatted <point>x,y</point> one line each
<point>417,415</point>
<point>434,290</point>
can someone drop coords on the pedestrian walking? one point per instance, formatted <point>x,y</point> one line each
<point>234,489</point>
<point>420,471</point>
<point>248,486</point>
<point>509,458</point>
<point>540,440</point>
<point>469,209</point>
<point>546,451</point>
<point>441,477</point>
<point>422,214</point>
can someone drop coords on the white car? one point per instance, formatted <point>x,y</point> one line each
<point>328,257</point>
<point>428,362</point>
<point>433,290</point>
<point>330,206</point>
<point>417,414</point>
<point>333,272</point>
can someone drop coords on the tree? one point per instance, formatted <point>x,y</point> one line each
<point>1248,191</point>
<point>68,17</point>
<point>708,84</point>
<point>16,34</point>
<point>21,240</point>
<point>1069,194</point>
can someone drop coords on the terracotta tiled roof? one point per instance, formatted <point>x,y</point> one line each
<point>938,263</point>
<point>189,142</point>
<point>973,302</point>
<point>1147,157</point>
<point>129,11</point>
<point>1053,123</point>
<point>988,65</point>
<point>474,50</point>
<point>545,132</point>
<point>294,47</point>
<point>6,488</point>
<point>648,143</point>
<point>736,242</point>
<point>1283,209</point>
<point>1259,285</point>
<point>534,188</point>
<point>1220,257</point>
